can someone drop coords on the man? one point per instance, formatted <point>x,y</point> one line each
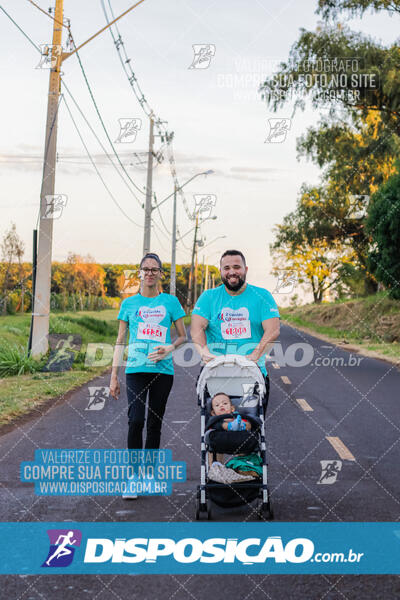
<point>236,317</point>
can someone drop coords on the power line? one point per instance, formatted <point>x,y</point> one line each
<point>161,217</point>
<point>99,141</point>
<point>95,167</point>
<point>47,14</point>
<point>102,122</point>
<point>135,86</point>
<point>21,30</point>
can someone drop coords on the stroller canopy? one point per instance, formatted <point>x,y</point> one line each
<point>232,374</point>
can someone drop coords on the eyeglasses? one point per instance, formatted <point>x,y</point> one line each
<point>152,271</point>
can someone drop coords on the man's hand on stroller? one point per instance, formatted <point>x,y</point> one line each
<point>206,355</point>
<point>236,424</point>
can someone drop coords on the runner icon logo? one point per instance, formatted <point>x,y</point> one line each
<point>203,54</point>
<point>329,471</point>
<point>62,547</point>
<point>98,397</point>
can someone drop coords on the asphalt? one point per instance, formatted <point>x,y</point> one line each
<point>357,403</point>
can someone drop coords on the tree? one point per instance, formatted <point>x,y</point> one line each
<point>357,142</point>
<point>12,247</point>
<point>331,8</point>
<point>383,225</point>
<point>307,243</point>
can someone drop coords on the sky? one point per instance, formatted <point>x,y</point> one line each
<point>218,117</point>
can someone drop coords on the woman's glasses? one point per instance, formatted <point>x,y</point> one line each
<point>153,271</point>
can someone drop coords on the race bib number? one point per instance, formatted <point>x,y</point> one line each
<point>152,331</point>
<point>236,331</point>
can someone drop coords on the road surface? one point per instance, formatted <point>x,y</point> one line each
<point>325,410</point>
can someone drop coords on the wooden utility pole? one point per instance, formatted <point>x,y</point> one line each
<point>41,314</point>
<point>42,285</point>
<point>172,286</point>
<point>191,274</point>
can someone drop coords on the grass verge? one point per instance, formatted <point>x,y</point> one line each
<point>371,324</point>
<point>24,393</point>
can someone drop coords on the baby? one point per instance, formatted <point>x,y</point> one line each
<point>221,404</point>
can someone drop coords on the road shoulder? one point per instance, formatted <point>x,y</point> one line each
<point>349,347</point>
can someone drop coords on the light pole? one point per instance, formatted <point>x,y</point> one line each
<point>191,274</point>
<point>172,289</point>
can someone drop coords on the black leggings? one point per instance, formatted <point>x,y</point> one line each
<point>158,385</point>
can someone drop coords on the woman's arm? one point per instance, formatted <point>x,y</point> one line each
<point>160,352</point>
<point>118,358</point>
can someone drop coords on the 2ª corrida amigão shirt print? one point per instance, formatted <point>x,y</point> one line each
<point>149,321</point>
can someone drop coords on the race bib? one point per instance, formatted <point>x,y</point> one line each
<point>152,331</point>
<point>236,331</point>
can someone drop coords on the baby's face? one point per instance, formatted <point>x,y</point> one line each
<point>222,405</point>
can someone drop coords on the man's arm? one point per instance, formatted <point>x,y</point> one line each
<point>197,330</point>
<point>271,331</point>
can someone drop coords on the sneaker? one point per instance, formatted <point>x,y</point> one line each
<point>128,495</point>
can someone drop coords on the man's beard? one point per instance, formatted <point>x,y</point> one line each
<point>234,287</point>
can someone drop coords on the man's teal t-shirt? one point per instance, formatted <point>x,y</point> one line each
<point>149,321</point>
<point>235,322</point>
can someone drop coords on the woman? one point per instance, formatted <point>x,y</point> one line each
<point>149,371</point>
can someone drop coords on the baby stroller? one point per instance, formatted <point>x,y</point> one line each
<point>244,383</point>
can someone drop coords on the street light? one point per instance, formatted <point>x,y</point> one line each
<point>220,237</point>
<point>172,287</point>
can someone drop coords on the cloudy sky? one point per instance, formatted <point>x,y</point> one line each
<point>219,120</point>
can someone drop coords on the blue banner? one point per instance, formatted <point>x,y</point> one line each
<point>218,548</point>
<point>102,472</point>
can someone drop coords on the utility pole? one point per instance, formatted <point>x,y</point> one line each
<point>202,277</point>
<point>41,314</point>
<point>41,304</point>
<point>172,288</point>
<point>206,278</point>
<point>148,207</point>
<point>196,270</point>
<point>191,275</point>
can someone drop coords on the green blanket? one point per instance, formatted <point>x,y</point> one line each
<point>250,462</point>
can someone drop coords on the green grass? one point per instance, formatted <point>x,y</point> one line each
<point>28,390</point>
<point>24,393</point>
<point>22,386</point>
<point>373,322</point>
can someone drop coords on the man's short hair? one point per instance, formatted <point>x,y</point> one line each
<point>233,253</point>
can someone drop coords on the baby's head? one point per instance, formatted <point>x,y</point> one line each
<point>221,404</point>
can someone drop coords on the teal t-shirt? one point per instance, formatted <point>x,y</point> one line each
<point>235,322</point>
<point>149,321</point>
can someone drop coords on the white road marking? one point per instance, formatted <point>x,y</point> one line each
<point>285,379</point>
<point>275,365</point>
<point>340,448</point>
<point>304,404</point>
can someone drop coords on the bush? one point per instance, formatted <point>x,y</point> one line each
<point>14,360</point>
<point>383,224</point>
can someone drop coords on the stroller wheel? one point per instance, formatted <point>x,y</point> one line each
<point>203,513</point>
<point>265,512</point>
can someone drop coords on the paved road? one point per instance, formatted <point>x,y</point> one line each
<point>355,406</point>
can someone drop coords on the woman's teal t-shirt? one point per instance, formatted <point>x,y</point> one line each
<point>149,321</point>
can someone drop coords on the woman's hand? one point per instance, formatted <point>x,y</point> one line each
<point>114,387</point>
<point>160,352</point>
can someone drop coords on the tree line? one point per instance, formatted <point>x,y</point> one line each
<point>80,283</point>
